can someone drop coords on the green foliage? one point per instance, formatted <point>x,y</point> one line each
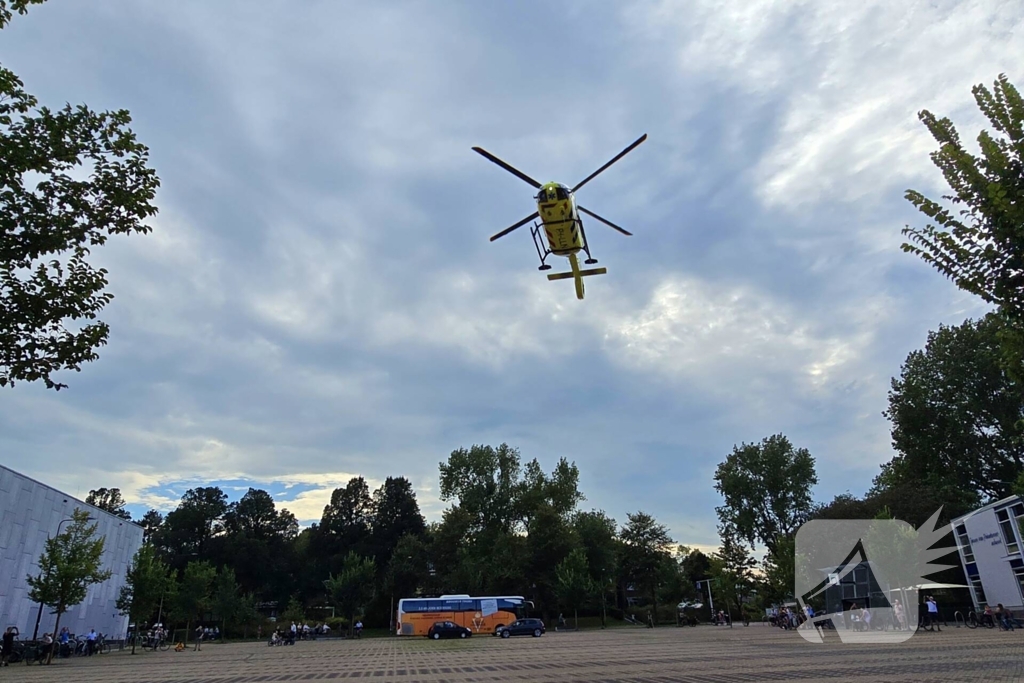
<point>395,515</point>
<point>150,523</point>
<point>574,585</point>
<point>49,221</point>
<point>146,582</point>
<point>353,587</point>
<point>248,616</point>
<point>767,490</point>
<point>493,488</point>
<point>732,567</point>
<point>20,6</point>
<point>780,570</point>
<point>193,596</point>
<point>109,500</point>
<point>955,417</point>
<point>70,564</point>
<point>598,535</point>
<point>188,530</point>
<point>295,612</point>
<point>644,552</point>
<point>226,602</point>
<point>983,250</point>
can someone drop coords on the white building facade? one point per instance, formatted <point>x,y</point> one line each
<point>30,512</point>
<point>990,544</point>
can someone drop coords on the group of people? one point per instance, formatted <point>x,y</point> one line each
<point>301,632</point>
<point>999,616</point>
<point>87,645</point>
<point>859,618</point>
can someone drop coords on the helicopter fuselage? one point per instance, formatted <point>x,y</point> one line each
<point>556,205</point>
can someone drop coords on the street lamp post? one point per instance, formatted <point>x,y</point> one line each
<point>39,616</point>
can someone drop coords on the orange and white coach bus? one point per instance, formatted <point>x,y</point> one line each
<point>482,614</point>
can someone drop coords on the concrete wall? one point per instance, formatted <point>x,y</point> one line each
<point>29,512</point>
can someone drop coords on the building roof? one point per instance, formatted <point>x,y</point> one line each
<point>69,496</point>
<point>995,504</point>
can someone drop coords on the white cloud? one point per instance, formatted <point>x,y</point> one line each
<point>850,78</point>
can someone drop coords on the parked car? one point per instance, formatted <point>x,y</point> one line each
<point>522,627</point>
<point>447,629</point>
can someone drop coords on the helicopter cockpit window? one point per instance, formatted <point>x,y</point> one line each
<point>561,193</point>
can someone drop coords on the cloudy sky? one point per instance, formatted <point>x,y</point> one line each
<point>319,298</point>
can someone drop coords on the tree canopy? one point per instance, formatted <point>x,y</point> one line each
<point>50,219</point>
<point>767,490</point>
<point>956,416</point>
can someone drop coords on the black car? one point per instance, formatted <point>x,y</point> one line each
<point>447,629</point>
<point>522,627</point>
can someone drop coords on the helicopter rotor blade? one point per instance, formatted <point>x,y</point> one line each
<point>594,215</point>
<point>509,229</point>
<point>617,157</point>
<point>510,169</point>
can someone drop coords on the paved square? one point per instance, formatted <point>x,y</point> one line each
<point>705,654</point>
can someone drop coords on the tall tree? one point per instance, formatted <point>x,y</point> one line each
<point>345,523</point>
<point>736,568</point>
<point>193,594</point>
<point>395,514</point>
<point>256,516</point>
<point>955,417</point>
<point>983,251</point>
<point>353,587</point>
<point>646,548</point>
<point>150,523</point>
<point>50,218</point>
<point>550,539</point>
<point>148,579</point>
<point>70,564</point>
<point>109,500</point>
<point>226,602</point>
<point>485,482</point>
<point>574,585</point>
<point>188,530</point>
<point>598,535</point>
<point>767,489</point>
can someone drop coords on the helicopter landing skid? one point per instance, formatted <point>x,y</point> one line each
<point>538,242</point>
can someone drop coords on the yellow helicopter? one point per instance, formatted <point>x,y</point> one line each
<point>560,221</point>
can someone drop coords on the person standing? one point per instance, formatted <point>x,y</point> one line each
<point>199,639</point>
<point>933,612</point>
<point>8,644</point>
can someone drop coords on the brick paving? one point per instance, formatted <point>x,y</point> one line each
<point>702,655</point>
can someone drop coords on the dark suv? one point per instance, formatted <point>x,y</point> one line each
<point>522,627</point>
<point>447,629</point>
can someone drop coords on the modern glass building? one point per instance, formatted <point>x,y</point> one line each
<point>30,512</point>
<point>990,543</point>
